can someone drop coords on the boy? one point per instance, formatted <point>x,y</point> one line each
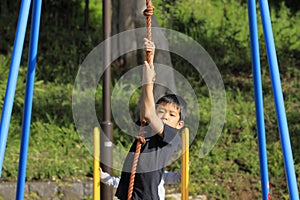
<point>162,140</point>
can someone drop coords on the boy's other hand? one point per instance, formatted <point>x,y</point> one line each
<point>149,48</point>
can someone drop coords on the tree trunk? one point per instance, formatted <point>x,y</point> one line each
<point>129,15</point>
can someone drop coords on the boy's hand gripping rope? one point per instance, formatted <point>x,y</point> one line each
<point>148,12</point>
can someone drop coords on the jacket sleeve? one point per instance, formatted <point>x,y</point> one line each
<point>171,177</point>
<point>109,180</point>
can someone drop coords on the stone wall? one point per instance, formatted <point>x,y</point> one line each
<point>57,190</point>
<point>49,190</point>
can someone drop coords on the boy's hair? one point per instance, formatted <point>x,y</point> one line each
<point>176,100</point>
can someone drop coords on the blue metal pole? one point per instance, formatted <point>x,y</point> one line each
<point>279,102</point>
<point>258,95</point>
<point>33,48</point>
<point>12,78</point>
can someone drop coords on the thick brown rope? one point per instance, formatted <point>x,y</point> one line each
<point>148,12</point>
<point>140,141</point>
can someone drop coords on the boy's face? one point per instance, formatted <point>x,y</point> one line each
<point>170,115</point>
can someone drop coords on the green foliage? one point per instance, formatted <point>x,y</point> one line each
<point>65,38</point>
<point>53,105</point>
<point>54,152</point>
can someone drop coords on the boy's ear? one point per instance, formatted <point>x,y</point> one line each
<point>180,124</point>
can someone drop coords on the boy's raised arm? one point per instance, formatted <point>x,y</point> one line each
<point>148,111</point>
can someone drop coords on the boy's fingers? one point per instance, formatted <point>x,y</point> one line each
<point>148,65</point>
<point>148,43</point>
<point>148,47</point>
<point>146,40</point>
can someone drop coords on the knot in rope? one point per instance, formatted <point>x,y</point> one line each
<point>141,139</point>
<point>149,11</point>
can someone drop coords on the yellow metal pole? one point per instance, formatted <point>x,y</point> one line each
<point>185,165</point>
<point>96,164</point>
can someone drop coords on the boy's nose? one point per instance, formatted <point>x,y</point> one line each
<point>164,117</point>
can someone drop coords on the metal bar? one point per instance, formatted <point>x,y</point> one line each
<point>12,78</point>
<point>33,48</point>
<point>106,142</point>
<point>258,96</point>
<point>279,102</point>
<point>185,165</point>
<point>96,191</point>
